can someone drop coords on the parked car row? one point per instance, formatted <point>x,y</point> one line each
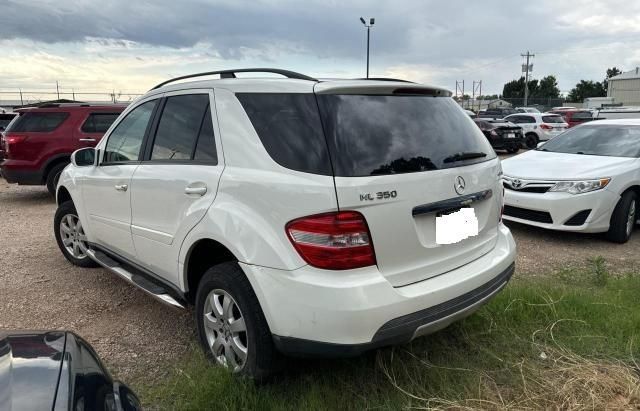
<point>321,218</point>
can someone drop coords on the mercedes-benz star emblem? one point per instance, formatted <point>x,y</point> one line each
<point>516,183</point>
<point>460,185</point>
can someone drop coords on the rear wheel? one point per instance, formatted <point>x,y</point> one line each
<point>232,329</point>
<point>513,150</point>
<point>623,219</point>
<point>53,176</point>
<point>70,236</point>
<point>531,140</point>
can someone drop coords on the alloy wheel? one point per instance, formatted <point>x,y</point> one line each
<point>73,237</point>
<point>631,217</point>
<point>225,330</point>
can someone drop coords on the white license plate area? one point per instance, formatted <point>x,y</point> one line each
<point>511,135</point>
<point>456,226</point>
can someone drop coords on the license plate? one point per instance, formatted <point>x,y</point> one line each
<point>511,135</point>
<point>455,227</point>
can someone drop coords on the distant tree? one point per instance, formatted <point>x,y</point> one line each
<point>585,89</point>
<point>611,72</point>
<point>515,88</point>
<point>548,87</point>
<point>489,97</point>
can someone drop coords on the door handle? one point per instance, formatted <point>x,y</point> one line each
<point>194,189</point>
<point>88,140</point>
<point>121,187</point>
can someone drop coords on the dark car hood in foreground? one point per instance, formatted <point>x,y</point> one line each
<point>29,369</point>
<point>56,370</point>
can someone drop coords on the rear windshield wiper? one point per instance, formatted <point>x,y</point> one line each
<point>464,156</point>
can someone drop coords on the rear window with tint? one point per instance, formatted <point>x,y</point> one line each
<point>38,122</point>
<point>552,119</point>
<point>581,116</point>
<point>290,129</point>
<point>99,122</point>
<point>378,135</point>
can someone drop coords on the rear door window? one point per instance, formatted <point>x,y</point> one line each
<point>180,126</point>
<point>380,135</point>
<point>39,122</point>
<point>98,122</point>
<point>290,129</point>
<point>125,140</point>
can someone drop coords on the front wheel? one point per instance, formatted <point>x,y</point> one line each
<point>232,329</point>
<point>623,218</point>
<point>70,236</point>
<point>531,140</point>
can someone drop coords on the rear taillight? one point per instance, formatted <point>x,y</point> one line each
<point>14,139</point>
<point>333,241</point>
<point>546,127</point>
<point>10,140</point>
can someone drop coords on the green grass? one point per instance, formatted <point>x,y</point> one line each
<point>565,340</point>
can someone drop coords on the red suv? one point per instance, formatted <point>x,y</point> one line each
<point>574,117</point>
<point>39,143</point>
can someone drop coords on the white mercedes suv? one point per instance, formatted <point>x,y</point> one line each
<point>300,217</point>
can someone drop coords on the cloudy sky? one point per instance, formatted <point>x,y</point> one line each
<point>129,45</point>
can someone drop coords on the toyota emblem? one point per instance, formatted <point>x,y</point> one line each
<point>459,185</point>
<point>516,183</point>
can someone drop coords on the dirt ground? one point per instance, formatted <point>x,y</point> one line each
<point>138,336</point>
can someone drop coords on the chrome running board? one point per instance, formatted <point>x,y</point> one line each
<point>132,278</point>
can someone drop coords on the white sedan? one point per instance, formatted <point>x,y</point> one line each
<point>586,180</point>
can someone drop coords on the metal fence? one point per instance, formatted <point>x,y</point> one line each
<point>16,98</point>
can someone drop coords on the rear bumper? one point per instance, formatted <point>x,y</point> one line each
<point>332,313</point>
<point>21,176</point>
<point>403,329</point>
<point>507,142</point>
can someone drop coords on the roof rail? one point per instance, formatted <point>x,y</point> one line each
<point>386,79</point>
<point>232,74</point>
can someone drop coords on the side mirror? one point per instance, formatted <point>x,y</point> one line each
<point>540,144</point>
<point>84,157</point>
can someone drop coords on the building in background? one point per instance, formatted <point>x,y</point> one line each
<point>625,88</point>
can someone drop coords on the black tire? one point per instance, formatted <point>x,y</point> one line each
<point>53,176</point>
<point>262,359</point>
<point>65,209</point>
<point>618,228</point>
<point>531,140</point>
<point>513,150</point>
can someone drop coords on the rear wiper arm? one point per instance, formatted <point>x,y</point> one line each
<point>464,156</point>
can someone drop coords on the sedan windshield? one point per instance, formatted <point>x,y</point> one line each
<point>600,140</point>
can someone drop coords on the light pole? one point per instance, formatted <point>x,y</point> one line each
<point>368,26</point>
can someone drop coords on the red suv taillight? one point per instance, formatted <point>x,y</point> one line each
<point>333,241</point>
<point>14,139</point>
<point>546,127</point>
<point>10,140</point>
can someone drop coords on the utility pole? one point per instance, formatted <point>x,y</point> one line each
<point>21,101</point>
<point>460,88</point>
<point>57,90</point>
<point>477,85</point>
<point>368,26</point>
<point>527,68</point>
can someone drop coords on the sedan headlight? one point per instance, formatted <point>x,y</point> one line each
<point>579,187</point>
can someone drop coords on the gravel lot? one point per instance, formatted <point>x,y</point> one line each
<point>138,336</point>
